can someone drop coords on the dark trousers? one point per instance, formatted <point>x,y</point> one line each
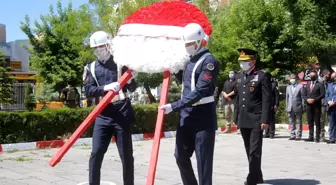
<point>332,123</point>
<point>202,142</point>
<point>314,115</point>
<point>253,146</point>
<point>103,131</point>
<point>271,129</point>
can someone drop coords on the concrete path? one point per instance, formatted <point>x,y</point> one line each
<point>284,163</point>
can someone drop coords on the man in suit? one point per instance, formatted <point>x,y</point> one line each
<point>295,106</point>
<point>252,108</point>
<point>270,131</point>
<point>330,100</point>
<point>314,93</point>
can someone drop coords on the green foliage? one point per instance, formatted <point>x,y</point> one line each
<point>29,101</point>
<point>57,123</point>
<point>58,52</point>
<point>47,95</point>
<point>315,25</point>
<point>6,82</point>
<point>253,24</point>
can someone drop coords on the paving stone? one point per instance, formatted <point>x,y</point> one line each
<point>284,163</point>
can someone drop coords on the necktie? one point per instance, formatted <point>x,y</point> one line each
<point>311,87</point>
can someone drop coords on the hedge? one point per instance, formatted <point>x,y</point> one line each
<point>281,116</point>
<point>58,123</point>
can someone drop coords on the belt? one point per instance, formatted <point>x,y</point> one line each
<point>205,100</point>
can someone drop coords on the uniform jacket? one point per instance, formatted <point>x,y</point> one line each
<point>317,93</point>
<point>120,111</point>
<point>295,98</point>
<point>201,116</point>
<point>330,95</point>
<point>253,100</point>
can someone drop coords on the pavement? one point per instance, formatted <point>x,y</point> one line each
<point>284,163</point>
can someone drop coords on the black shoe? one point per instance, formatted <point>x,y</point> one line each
<point>260,181</point>
<point>271,136</point>
<point>266,136</point>
<point>292,138</point>
<point>317,140</point>
<point>330,142</point>
<point>298,139</point>
<point>309,140</point>
<point>245,183</point>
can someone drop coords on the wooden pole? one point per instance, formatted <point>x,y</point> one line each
<point>89,120</point>
<point>158,130</point>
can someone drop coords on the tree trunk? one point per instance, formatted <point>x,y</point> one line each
<point>149,93</point>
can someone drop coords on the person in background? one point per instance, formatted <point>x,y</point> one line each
<point>324,81</point>
<point>229,97</point>
<point>270,131</point>
<point>330,100</point>
<point>70,96</point>
<point>295,106</point>
<point>314,93</point>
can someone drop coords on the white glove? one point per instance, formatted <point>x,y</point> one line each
<point>167,108</point>
<point>132,77</point>
<point>115,86</point>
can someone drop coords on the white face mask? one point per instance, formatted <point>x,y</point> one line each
<point>103,54</point>
<point>193,49</point>
<point>292,81</point>
<point>333,68</point>
<point>244,66</point>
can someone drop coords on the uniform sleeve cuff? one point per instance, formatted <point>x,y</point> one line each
<point>174,105</point>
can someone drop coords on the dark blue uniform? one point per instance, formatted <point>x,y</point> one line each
<point>115,120</point>
<point>198,119</point>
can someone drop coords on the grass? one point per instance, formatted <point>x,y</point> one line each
<point>19,159</point>
<point>47,155</point>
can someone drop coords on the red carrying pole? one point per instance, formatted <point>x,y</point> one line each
<point>158,130</point>
<point>89,120</point>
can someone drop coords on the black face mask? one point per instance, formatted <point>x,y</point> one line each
<point>313,78</point>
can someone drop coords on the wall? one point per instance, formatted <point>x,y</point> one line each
<point>17,52</point>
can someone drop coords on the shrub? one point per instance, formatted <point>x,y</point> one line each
<point>29,101</point>
<point>56,123</point>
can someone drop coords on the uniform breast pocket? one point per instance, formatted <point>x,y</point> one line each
<point>253,86</point>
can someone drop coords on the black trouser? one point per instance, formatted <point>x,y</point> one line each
<point>102,135</point>
<point>253,146</point>
<point>202,142</point>
<point>314,115</point>
<point>271,129</point>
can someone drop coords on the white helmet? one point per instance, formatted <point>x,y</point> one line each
<point>193,32</point>
<point>99,38</point>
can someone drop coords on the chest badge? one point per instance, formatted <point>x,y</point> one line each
<point>251,89</point>
<point>210,66</point>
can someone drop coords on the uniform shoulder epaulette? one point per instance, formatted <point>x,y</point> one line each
<point>263,71</point>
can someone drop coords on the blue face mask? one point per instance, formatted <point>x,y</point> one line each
<point>230,75</point>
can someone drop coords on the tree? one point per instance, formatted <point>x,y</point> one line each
<point>29,101</point>
<point>6,82</point>
<point>315,25</point>
<point>149,81</point>
<point>254,24</point>
<point>59,49</point>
